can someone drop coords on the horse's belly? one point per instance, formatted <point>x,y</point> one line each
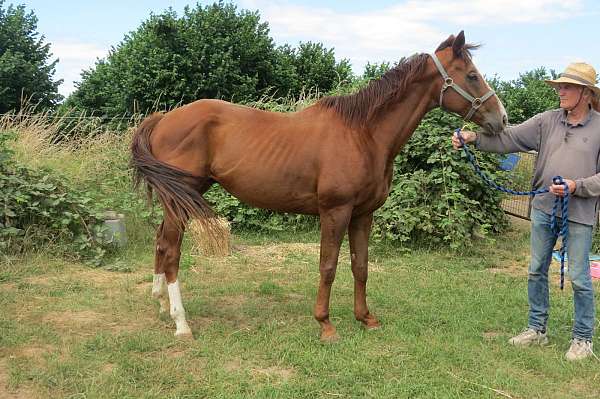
<point>268,197</point>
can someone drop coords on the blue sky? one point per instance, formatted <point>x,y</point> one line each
<point>517,35</point>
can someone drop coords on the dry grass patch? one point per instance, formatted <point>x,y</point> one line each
<point>71,321</point>
<point>90,300</point>
<point>36,351</point>
<point>37,145</point>
<point>233,365</point>
<point>233,301</point>
<point>248,261</point>
<point>272,373</point>
<point>511,267</point>
<point>96,277</point>
<point>8,392</point>
<point>108,368</point>
<point>277,252</point>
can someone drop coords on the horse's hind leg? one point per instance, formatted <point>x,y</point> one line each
<point>159,282</point>
<point>358,235</point>
<point>168,251</point>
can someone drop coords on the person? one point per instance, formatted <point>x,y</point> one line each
<point>568,144</point>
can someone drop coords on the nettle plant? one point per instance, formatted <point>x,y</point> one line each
<point>40,210</point>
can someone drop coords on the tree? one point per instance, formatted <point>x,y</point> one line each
<point>26,71</point>
<point>210,52</point>
<point>375,70</point>
<point>214,51</point>
<point>526,96</point>
<point>317,68</point>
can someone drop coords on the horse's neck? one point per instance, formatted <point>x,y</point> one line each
<point>394,127</point>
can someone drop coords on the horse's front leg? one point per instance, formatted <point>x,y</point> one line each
<point>358,235</point>
<point>333,226</point>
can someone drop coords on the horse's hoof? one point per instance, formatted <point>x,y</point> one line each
<point>372,326</point>
<point>370,322</point>
<point>330,338</point>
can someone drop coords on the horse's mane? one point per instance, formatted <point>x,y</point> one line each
<point>362,107</point>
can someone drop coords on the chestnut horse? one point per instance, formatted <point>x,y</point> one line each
<point>333,159</point>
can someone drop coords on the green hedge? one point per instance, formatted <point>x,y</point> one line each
<point>39,209</point>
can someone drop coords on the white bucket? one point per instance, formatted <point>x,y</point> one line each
<point>115,228</point>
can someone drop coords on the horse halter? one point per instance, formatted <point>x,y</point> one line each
<point>449,82</point>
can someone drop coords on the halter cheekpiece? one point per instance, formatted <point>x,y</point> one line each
<point>449,82</point>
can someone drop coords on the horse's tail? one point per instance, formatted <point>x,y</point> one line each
<point>174,187</point>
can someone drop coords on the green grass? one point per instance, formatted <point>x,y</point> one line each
<point>68,331</point>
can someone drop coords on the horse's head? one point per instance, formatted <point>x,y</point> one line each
<point>461,87</point>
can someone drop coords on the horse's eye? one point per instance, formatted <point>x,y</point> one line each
<point>472,77</point>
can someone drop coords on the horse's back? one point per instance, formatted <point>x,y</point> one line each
<point>218,118</point>
<point>192,130</point>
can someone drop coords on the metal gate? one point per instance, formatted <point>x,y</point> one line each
<point>521,173</point>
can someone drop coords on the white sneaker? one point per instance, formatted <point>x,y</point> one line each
<point>529,337</point>
<point>579,349</point>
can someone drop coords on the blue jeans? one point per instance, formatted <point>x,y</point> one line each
<point>579,243</point>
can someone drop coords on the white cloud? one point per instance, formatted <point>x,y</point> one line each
<point>412,26</point>
<point>74,57</point>
<point>488,12</point>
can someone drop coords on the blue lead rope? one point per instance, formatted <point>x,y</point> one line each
<point>562,202</point>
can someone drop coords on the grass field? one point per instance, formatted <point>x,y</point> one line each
<point>69,331</point>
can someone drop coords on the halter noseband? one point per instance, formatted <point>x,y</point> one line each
<point>449,82</point>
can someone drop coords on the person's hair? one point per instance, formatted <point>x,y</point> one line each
<point>595,101</point>
<point>594,98</point>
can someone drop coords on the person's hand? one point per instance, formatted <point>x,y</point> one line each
<point>559,189</point>
<point>467,136</point>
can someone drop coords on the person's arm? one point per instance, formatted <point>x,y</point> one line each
<point>588,186</point>
<point>520,138</point>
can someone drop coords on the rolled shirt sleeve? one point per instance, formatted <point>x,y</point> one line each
<point>519,138</point>
<point>588,187</point>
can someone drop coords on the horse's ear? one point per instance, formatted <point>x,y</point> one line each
<point>459,43</point>
<point>446,43</point>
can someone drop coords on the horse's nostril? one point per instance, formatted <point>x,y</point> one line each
<point>505,120</point>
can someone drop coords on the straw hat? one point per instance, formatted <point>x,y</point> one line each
<point>578,73</point>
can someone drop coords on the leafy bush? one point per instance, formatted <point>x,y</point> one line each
<point>436,196</point>
<point>596,242</point>
<point>244,217</point>
<point>38,209</point>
